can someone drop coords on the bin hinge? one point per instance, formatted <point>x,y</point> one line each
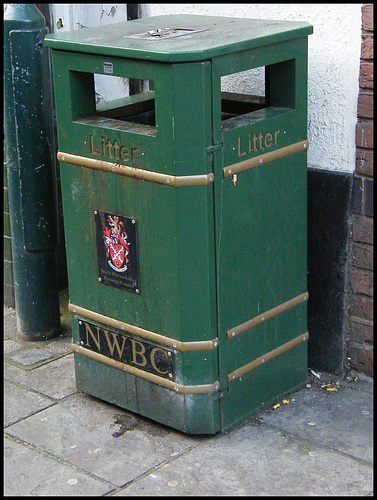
<point>214,148</point>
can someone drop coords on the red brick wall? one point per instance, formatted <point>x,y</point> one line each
<point>360,345</point>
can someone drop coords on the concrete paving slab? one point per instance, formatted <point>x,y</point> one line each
<point>55,379</point>
<point>342,419</point>
<point>11,346</point>
<point>27,357</point>
<point>59,345</point>
<point>256,460</point>
<point>109,442</point>
<point>351,379</point>
<point>64,443</point>
<point>22,475</point>
<point>29,354</point>
<point>19,403</point>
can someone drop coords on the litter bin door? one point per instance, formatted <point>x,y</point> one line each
<point>260,203</point>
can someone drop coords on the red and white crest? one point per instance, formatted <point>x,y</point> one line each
<point>115,240</point>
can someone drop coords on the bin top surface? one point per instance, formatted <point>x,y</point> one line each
<point>182,38</point>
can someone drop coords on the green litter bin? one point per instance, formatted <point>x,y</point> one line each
<point>185,214</point>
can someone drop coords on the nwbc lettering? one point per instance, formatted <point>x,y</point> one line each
<point>128,350</point>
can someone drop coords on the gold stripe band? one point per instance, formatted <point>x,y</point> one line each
<point>138,173</point>
<point>150,377</point>
<point>265,158</point>
<point>201,345</point>
<point>261,318</point>
<point>267,357</point>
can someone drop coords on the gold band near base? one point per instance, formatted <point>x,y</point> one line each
<point>201,345</point>
<point>261,318</point>
<point>265,158</point>
<point>150,377</point>
<point>267,357</point>
<point>138,173</point>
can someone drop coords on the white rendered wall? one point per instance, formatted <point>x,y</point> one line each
<point>334,57</point>
<point>79,16</point>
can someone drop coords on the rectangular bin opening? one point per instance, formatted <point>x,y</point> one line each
<point>137,105</point>
<point>269,88</point>
<point>113,101</point>
<point>233,104</point>
<point>242,93</point>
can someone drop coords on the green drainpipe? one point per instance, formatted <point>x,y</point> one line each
<point>29,156</point>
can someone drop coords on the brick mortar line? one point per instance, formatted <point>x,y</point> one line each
<point>368,272</point>
<point>366,177</point>
<point>366,91</point>
<point>358,294</point>
<point>364,321</point>
<point>362,295</point>
<point>359,345</point>
<point>363,243</point>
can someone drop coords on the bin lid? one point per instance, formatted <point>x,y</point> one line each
<point>178,38</point>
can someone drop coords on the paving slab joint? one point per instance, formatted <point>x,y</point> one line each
<point>51,456</point>
<point>157,467</point>
<point>318,444</point>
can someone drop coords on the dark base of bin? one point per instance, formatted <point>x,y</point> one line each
<point>192,414</point>
<point>196,413</point>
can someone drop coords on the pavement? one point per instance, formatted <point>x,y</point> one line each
<point>59,441</point>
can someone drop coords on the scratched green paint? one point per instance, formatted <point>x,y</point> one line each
<point>210,257</point>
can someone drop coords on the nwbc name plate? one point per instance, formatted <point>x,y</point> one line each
<point>138,353</point>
